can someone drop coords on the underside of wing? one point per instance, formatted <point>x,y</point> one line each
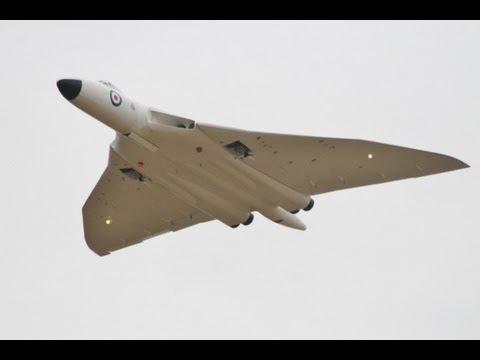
<point>125,208</point>
<point>314,165</point>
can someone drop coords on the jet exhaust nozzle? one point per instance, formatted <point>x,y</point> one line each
<point>310,205</point>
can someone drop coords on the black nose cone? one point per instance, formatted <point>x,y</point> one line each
<point>69,88</point>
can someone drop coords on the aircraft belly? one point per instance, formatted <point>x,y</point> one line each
<point>207,177</point>
<point>182,174</point>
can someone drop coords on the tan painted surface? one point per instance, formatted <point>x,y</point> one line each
<point>121,211</point>
<point>315,165</point>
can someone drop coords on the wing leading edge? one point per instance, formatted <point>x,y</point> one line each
<point>125,209</point>
<point>314,165</point>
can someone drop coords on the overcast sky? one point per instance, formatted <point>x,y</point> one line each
<point>398,260</point>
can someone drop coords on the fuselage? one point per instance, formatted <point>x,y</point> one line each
<point>174,153</point>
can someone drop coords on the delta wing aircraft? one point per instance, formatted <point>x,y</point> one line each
<point>166,173</point>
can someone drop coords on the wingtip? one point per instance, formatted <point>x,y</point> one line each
<point>462,165</point>
<point>456,164</point>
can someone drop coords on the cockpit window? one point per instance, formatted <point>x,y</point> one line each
<point>109,84</point>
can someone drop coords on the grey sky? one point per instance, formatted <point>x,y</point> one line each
<point>399,260</point>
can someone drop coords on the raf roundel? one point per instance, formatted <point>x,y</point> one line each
<point>115,98</point>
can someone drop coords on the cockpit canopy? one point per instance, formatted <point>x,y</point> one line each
<point>109,84</point>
